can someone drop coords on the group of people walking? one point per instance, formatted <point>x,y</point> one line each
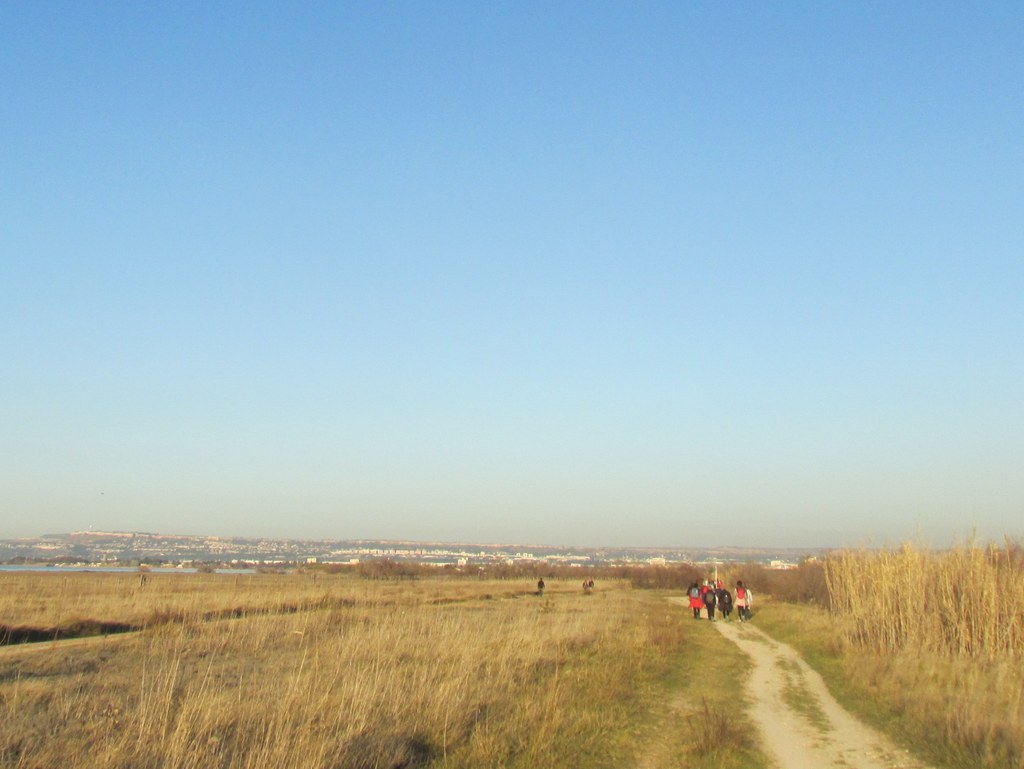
<point>712,596</point>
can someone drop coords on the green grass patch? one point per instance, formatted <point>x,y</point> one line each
<point>799,698</point>
<point>702,721</point>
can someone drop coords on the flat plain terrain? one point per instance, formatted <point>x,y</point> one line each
<point>313,670</point>
<point>338,671</point>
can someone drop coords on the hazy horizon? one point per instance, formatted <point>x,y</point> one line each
<point>569,546</point>
<point>514,273</point>
<point>864,543</point>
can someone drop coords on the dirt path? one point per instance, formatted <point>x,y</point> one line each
<point>17,650</point>
<point>802,726</point>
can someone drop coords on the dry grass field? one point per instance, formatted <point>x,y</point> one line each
<point>331,672</point>
<point>48,600</point>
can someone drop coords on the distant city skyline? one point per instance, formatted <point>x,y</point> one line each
<point>594,275</point>
<point>85,549</point>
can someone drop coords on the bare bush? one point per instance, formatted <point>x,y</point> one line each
<point>804,584</point>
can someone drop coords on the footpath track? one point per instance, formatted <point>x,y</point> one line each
<point>63,644</point>
<point>17,649</point>
<point>802,726</point>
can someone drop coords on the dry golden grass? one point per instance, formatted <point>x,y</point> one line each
<point>350,673</point>
<point>47,600</point>
<point>967,601</point>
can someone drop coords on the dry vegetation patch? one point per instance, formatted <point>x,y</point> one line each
<point>351,673</point>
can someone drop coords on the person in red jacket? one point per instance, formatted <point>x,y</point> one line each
<point>695,600</point>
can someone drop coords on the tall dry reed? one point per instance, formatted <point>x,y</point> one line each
<point>965,601</point>
<point>939,638</point>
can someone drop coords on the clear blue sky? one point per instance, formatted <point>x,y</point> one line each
<point>566,273</point>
